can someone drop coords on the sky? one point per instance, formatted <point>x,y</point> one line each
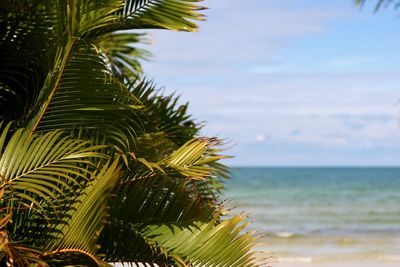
<point>289,82</point>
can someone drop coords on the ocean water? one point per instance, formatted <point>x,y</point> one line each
<point>321,214</point>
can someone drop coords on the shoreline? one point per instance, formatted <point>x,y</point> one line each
<point>269,259</point>
<point>345,263</point>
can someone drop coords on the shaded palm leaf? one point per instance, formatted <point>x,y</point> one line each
<point>17,255</point>
<point>121,53</point>
<point>145,202</point>
<point>163,114</point>
<point>122,242</point>
<point>85,95</point>
<point>25,50</point>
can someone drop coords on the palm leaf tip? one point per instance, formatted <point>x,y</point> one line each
<point>167,14</point>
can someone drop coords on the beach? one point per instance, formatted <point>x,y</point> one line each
<point>340,264</point>
<point>308,262</point>
<point>322,217</point>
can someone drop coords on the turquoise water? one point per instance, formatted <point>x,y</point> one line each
<point>316,214</point>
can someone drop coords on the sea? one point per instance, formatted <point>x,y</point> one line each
<point>320,214</point>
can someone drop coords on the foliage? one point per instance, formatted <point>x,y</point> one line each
<point>96,166</point>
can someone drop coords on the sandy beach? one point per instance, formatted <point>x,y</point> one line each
<point>339,264</point>
<point>271,261</point>
<point>318,217</point>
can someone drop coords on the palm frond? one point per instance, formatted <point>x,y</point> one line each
<point>169,197</point>
<point>122,242</point>
<point>89,212</point>
<point>84,94</point>
<point>122,54</point>
<point>71,257</point>
<point>146,202</point>
<point>192,158</point>
<point>41,168</point>
<point>198,161</point>
<point>206,244</point>
<point>25,50</point>
<point>167,14</point>
<point>165,113</point>
<point>17,255</point>
<point>194,164</point>
<point>159,200</point>
<point>43,176</point>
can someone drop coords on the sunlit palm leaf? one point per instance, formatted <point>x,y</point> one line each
<point>40,168</point>
<point>206,244</point>
<point>89,212</point>
<point>197,160</point>
<point>192,158</point>
<point>41,175</point>
<point>168,14</point>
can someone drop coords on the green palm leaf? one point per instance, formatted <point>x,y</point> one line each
<point>85,95</point>
<point>24,53</point>
<point>89,212</point>
<point>146,202</point>
<point>168,117</point>
<point>41,176</point>
<point>206,244</point>
<point>41,168</point>
<point>168,14</point>
<point>192,158</point>
<point>121,53</point>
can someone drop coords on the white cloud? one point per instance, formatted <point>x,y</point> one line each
<point>236,33</point>
<point>260,137</point>
<point>321,117</point>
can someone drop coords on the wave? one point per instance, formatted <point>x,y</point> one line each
<point>295,259</point>
<point>285,235</point>
<point>356,257</point>
<point>389,257</point>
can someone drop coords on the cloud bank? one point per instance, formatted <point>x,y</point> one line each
<point>289,82</point>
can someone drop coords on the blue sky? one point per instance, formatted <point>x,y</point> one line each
<point>290,82</point>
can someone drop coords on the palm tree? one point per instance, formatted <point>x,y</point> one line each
<point>96,166</point>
